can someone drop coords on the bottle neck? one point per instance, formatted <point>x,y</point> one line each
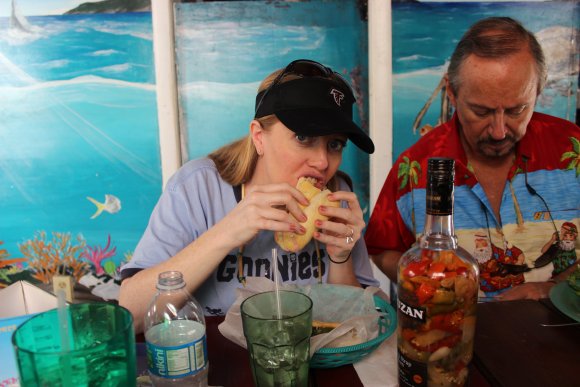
<point>439,233</point>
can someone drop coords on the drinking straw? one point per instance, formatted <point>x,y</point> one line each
<point>276,282</point>
<point>64,331</point>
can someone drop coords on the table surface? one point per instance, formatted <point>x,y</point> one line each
<point>511,349</point>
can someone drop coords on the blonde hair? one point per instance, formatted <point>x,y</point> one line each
<point>236,161</point>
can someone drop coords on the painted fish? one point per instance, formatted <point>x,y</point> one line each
<point>112,205</point>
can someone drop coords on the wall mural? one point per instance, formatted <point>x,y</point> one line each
<point>79,162</point>
<point>80,168</point>
<point>217,93</point>
<point>225,49</point>
<point>425,34</point>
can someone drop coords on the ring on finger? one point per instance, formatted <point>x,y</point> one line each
<point>349,240</point>
<point>351,233</point>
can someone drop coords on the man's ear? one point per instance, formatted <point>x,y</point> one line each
<point>257,132</point>
<point>450,92</point>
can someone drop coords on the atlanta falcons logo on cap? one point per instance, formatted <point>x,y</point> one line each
<point>338,96</point>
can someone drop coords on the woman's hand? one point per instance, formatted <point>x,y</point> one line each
<point>343,228</point>
<point>266,207</point>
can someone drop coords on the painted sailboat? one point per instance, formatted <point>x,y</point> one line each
<point>18,21</point>
<point>445,112</point>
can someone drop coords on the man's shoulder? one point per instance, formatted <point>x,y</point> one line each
<point>543,122</point>
<point>549,136</point>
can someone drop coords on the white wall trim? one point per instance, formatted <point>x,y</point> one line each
<point>380,94</point>
<point>380,104</point>
<point>166,85</point>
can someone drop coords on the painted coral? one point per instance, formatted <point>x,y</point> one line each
<point>96,255</point>
<point>3,252</point>
<point>60,255</point>
<point>8,267</point>
<point>114,270</point>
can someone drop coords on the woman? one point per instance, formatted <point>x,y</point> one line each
<point>216,219</point>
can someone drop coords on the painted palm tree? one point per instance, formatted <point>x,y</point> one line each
<point>574,154</point>
<point>409,172</point>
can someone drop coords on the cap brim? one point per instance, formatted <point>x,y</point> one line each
<point>322,122</point>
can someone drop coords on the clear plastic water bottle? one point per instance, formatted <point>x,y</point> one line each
<point>175,335</point>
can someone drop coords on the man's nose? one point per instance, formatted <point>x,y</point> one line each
<point>498,126</point>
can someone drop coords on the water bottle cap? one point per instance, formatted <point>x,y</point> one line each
<point>170,280</point>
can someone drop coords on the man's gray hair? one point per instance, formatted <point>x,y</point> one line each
<point>496,37</point>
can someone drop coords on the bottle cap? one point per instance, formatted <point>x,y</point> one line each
<point>170,280</point>
<point>440,167</point>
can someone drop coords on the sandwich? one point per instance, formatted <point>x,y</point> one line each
<point>293,242</point>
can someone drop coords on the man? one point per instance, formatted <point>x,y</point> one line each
<point>511,163</point>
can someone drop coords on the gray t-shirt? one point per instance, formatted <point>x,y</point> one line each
<point>195,199</point>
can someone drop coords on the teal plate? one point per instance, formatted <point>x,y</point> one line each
<point>566,300</point>
<point>336,357</point>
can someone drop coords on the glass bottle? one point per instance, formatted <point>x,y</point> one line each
<point>437,293</point>
<point>175,335</point>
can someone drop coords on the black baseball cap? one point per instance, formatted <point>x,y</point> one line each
<point>314,106</point>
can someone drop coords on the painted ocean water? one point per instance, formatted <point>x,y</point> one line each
<point>78,119</point>
<point>78,115</point>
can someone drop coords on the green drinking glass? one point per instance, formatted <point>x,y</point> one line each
<point>279,347</point>
<point>90,344</point>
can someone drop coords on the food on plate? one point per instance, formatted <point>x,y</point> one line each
<point>346,339</point>
<point>293,242</point>
<point>319,327</point>
<point>574,280</point>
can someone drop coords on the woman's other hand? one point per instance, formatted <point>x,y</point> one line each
<point>344,226</point>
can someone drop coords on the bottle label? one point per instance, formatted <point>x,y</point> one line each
<point>411,373</point>
<point>177,361</point>
<point>439,202</point>
<point>415,312</point>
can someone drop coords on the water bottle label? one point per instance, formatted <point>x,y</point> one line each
<point>177,361</point>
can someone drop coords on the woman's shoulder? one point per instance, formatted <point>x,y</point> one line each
<point>344,181</point>
<point>193,171</point>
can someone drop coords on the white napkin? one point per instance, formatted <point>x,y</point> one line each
<point>379,369</point>
<point>358,310</point>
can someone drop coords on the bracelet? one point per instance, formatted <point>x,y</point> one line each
<point>341,262</point>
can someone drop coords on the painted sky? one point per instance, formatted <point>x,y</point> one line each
<point>57,7</point>
<point>40,7</point>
